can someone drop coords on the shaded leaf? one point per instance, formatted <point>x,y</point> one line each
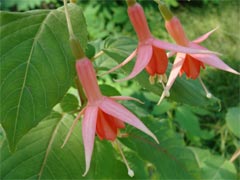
<point>233,120</point>
<point>37,66</point>
<point>189,122</point>
<point>108,90</point>
<point>214,167</point>
<point>168,160</point>
<point>69,103</point>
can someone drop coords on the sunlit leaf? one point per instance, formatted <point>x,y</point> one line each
<point>36,66</point>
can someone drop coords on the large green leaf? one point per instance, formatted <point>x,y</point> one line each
<point>39,154</point>
<point>36,66</point>
<point>183,90</point>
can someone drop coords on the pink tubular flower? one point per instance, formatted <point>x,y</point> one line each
<point>190,63</point>
<point>150,52</point>
<point>102,115</point>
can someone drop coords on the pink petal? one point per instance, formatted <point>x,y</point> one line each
<point>144,54</point>
<point>127,60</point>
<point>125,98</point>
<point>177,48</point>
<point>118,111</point>
<point>88,133</point>
<point>214,61</point>
<point>177,65</point>
<point>170,54</point>
<point>211,60</point>
<point>204,37</point>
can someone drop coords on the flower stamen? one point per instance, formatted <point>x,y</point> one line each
<point>208,94</point>
<point>152,79</point>
<point>130,171</point>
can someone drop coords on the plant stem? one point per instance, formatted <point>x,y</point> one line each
<point>76,47</point>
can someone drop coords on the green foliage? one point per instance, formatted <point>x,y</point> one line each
<point>23,5</point>
<point>233,120</point>
<point>40,155</point>
<point>36,66</point>
<point>69,103</point>
<point>213,167</point>
<point>189,123</point>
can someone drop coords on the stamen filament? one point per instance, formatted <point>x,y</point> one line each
<point>127,60</point>
<point>98,54</point>
<point>130,171</point>
<point>72,127</point>
<point>208,94</point>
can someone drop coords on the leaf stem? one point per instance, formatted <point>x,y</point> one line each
<point>76,47</point>
<point>69,24</point>
<point>130,171</point>
<point>49,147</point>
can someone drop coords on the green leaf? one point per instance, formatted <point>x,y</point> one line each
<point>169,159</point>
<point>183,90</point>
<point>233,120</point>
<point>23,5</point>
<point>37,66</point>
<point>69,103</point>
<point>214,167</point>
<point>189,122</point>
<point>31,159</point>
<point>108,90</point>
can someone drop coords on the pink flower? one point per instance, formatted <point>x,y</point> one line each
<point>186,62</point>
<point>150,52</point>
<point>102,115</point>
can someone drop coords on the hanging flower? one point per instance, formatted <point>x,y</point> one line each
<point>151,52</point>
<point>188,63</point>
<point>102,115</point>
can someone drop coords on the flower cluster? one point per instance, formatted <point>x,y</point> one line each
<point>103,116</point>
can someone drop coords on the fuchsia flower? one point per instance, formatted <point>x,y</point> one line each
<point>102,115</point>
<point>186,62</point>
<point>150,52</point>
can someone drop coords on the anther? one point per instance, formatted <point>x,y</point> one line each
<point>152,79</point>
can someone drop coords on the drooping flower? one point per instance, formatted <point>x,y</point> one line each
<point>188,63</point>
<point>151,52</point>
<point>102,115</point>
